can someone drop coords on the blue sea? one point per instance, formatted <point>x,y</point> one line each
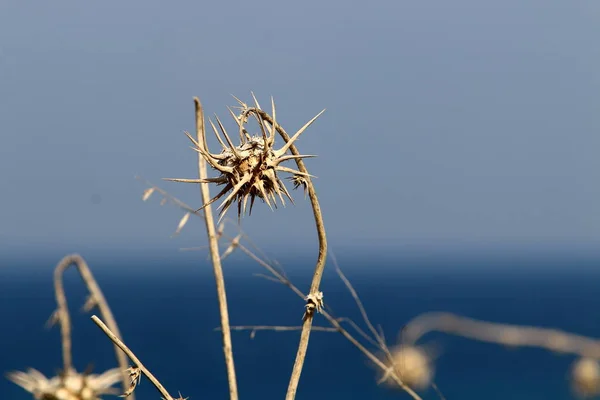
<point>167,312</point>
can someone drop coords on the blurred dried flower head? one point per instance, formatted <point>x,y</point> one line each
<point>67,386</point>
<point>250,169</point>
<point>585,375</point>
<point>413,366</point>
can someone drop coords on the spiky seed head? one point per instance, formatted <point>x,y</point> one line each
<point>68,385</point>
<point>585,377</point>
<point>412,365</point>
<point>250,169</point>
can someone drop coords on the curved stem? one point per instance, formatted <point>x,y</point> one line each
<point>214,253</point>
<point>509,335</point>
<point>98,299</point>
<point>320,264</point>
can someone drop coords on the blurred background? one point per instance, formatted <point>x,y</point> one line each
<point>457,170</point>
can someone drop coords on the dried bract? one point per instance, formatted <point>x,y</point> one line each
<point>147,193</point>
<point>250,169</point>
<point>69,385</point>
<point>135,375</point>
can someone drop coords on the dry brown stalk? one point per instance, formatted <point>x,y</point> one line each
<point>505,334</point>
<point>213,241</point>
<point>133,373</point>
<point>314,295</point>
<point>213,237</point>
<point>96,299</point>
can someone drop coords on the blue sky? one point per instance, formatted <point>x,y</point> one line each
<point>470,124</point>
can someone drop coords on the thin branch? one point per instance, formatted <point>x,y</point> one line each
<point>267,277</point>
<point>438,391</point>
<point>359,330</point>
<point>377,335</point>
<point>214,251</point>
<point>97,298</point>
<point>171,198</point>
<point>256,328</point>
<point>277,328</point>
<point>359,303</point>
<point>272,270</point>
<point>119,343</point>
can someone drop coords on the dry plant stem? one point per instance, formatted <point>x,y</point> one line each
<point>510,335</point>
<point>100,301</point>
<point>216,260</point>
<point>119,344</point>
<point>378,337</point>
<point>320,265</point>
<point>438,391</point>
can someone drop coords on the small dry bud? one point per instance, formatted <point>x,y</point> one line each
<point>413,366</point>
<point>299,180</point>
<point>585,375</point>
<point>314,302</point>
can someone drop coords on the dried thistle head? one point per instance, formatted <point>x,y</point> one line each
<point>413,365</point>
<point>250,169</point>
<point>585,377</point>
<point>68,385</point>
